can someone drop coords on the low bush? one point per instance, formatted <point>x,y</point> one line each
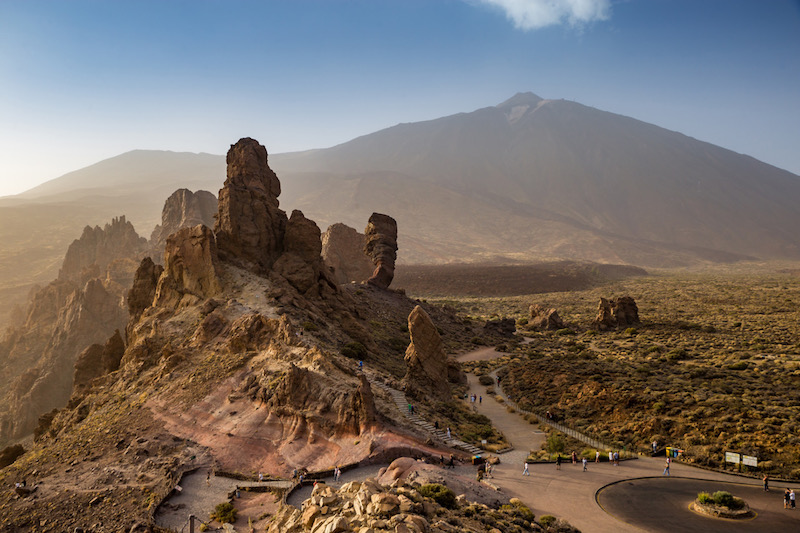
<point>486,380</point>
<point>440,494</point>
<point>354,350</point>
<point>224,513</point>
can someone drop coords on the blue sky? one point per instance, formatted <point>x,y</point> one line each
<point>84,80</point>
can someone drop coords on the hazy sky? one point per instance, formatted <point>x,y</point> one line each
<point>84,80</point>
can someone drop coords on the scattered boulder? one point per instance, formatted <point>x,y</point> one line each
<point>505,327</point>
<point>9,454</point>
<point>343,251</point>
<point>381,247</point>
<point>250,225</point>
<point>542,318</point>
<point>616,313</point>
<point>426,361</point>
<point>183,209</point>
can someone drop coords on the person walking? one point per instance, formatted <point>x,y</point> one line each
<point>558,462</point>
<point>488,470</point>
<point>610,457</point>
<point>448,433</point>
<point>786,499</point>
<point>616,458</point>
<point>791,498</point>
<point>666,468</point>
<point>766,483</point>
<point>525,470</point>
<point>584,464</point>
<point>574,457</point>
<point>597,456</point>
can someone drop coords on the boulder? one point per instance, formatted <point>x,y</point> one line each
<point>343,251</point>
<point>426,361</point>
<point>542,318</point>
<point>381,247</point>
<point>616,313</point>
<point>505,327</point>
<point>250,226</point>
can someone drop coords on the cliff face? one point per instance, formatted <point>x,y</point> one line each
<point>343,251</point>
<point>183,209</point>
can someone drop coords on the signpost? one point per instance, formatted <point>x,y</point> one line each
<point>749,460</point>
<point>732,457</point>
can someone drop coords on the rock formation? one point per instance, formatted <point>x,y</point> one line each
<point>343,251</point>
<point>301,262</point>
<point>542,318</point>
<point>143,289</point>
<point>381,247</point>
<point>183,209</point>
<point>250,226</point>
<point>98,247</point>
<point>426,361</point>
<point>505,327</point>
<point>616,313</point>
<point>84,306</point>
<point>97,360</point>
<point>191,269</point>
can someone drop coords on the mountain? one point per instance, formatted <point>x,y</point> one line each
<point>527,180</point>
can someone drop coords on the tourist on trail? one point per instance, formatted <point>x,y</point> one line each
<point>260,477</point>
<point>791,498</point>
<point>666,468</point>
<point>361,366</point>
<point>610,457</point>
<point>766,483</point>
<point>448,433</point>
<point>452,462</point>
<point>488,470</point>
<point>786,499</point>
<point>480,399</point>
<point>558,462</point>
<point>208,479</point>
<point>597,456</point>
<point>584,464</point>
<point>574,457</point>
<point>616,458</point>
<point>525,470</point>
<point>655,446</point>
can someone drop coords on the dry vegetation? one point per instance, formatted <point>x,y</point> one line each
<point>714,366</point>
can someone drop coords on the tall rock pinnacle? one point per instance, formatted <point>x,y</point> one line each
<point>250,226</point>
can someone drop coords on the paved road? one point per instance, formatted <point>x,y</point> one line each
<point>662,505</point>
<point>572,494</point>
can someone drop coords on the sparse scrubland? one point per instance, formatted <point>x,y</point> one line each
<point>714,365</point>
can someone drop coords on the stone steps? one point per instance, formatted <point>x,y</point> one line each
<point>401,401</point>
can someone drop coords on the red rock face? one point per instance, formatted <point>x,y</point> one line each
<point>250,226</point>
<point>381,247</point>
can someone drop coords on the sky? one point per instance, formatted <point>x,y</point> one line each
<point>85,80</point>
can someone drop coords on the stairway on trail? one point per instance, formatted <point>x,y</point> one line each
<point>402,403</point>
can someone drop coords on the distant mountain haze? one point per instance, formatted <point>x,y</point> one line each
<point>524,181</point>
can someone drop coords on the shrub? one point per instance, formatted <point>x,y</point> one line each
<point>565,331</point>
<point>555,444</point>
<point>724,499</point>
<point>354,350</point>
<point>477,341</point>
<point>440,494</point>
<point>547,520</point>
<point>224,513</point>
<point>705,498</point>
<point>522,321</point>
<point>310,326</point>
<point>740,365</point>
<point>631,332</point>
<point>486,380</point>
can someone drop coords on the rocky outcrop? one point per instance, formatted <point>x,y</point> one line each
<point>97,247</point>
<point>250,226</point>
<point>10,454</point>
<point>542,318</point>
<point>183,209</point>
<point>381,247</point>
<point>143,290</point>
<point>426,361</point>
<point>95,361</point>
<point>191,269</point>
<point>505,327</point>
<point>616,313</point>
<point>343,251</point>
<point>301,263</point>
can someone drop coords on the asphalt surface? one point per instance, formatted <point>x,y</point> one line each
<point>661,504</point>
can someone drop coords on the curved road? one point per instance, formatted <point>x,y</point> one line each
<point>630,498</point>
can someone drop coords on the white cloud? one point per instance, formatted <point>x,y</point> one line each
<point>535,14</point>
